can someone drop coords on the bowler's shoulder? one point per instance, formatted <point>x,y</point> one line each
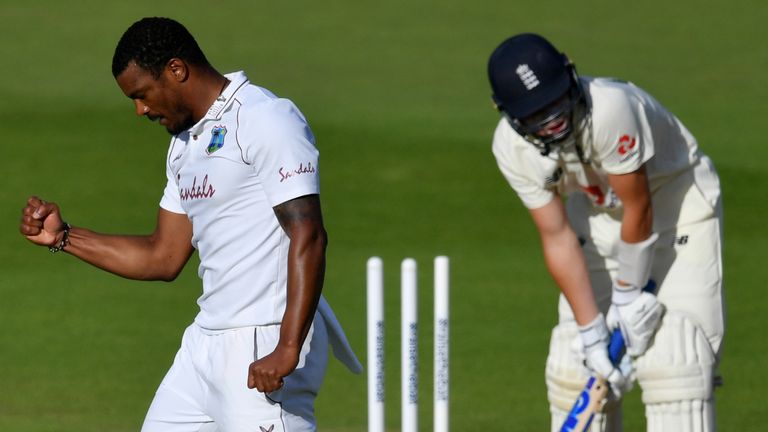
<point>265,119</point>
<point>261,105</point>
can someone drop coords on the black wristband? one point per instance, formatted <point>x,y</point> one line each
<point>64,240</point>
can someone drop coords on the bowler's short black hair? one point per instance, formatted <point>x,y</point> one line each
<point>151,42</point>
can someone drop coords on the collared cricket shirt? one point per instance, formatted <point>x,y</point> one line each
<point>251,152</point>
<point>627,128</point>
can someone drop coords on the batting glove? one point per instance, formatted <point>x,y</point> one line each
<point>595,338</point>
<point>637,320</point>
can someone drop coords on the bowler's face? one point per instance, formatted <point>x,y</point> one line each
<point>158,99</point>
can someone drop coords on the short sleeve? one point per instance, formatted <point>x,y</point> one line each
<point>526,171</point>
<point>281,148</point>
<point>621,142</point>
<point>171,199</point>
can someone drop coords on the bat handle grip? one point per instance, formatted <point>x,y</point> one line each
<point>616,347</point>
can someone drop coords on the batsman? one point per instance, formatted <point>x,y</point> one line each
<point>643,204</point>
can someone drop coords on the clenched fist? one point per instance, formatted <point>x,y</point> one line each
<point>41,222</point>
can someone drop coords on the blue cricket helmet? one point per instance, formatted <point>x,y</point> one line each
<point>528,73</point>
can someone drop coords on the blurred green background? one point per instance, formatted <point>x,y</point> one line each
<point>396,93</point>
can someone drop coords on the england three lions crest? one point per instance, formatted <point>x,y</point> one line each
<point>217,139</point>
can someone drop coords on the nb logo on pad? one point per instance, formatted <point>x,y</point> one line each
<point>271,428</point>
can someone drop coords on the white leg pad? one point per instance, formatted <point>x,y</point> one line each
<point>683,416</point>
<point>609,421</point>
<point>566,376</point>
<point>677,377</point>
<point>679,365</point>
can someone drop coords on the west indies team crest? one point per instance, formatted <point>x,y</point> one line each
<point>217,139</point>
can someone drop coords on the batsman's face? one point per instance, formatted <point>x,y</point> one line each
<point>552,121</point>
<point>157,99</point>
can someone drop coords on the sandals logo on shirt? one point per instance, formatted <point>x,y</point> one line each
<point>217,139</point>
<point>286,173</point>
<point>196,191</point>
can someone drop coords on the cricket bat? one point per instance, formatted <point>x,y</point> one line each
<point>592,398</point>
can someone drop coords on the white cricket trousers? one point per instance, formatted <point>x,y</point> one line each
<point>206,387</point>
<point>687,263</point>
<point>676,374</point>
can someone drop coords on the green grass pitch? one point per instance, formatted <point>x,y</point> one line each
<point>397,96</point>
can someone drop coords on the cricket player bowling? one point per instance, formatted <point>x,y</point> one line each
<point>243,191</point>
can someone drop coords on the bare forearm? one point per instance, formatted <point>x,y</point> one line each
<point>159,256</point>
<point>632,190</point>
<point>306,267</point>
<point>637,222</point>
<point>565,260</point>
<point>306,271</point>
<point>132,257</point>
<point>302,220</point>
<point>566,264</point>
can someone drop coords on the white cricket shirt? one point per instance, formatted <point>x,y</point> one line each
<point>628,128</point>
<point>251,152</point>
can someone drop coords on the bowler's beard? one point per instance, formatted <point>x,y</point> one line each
<point>185,119</point>
<point>181,127</point>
